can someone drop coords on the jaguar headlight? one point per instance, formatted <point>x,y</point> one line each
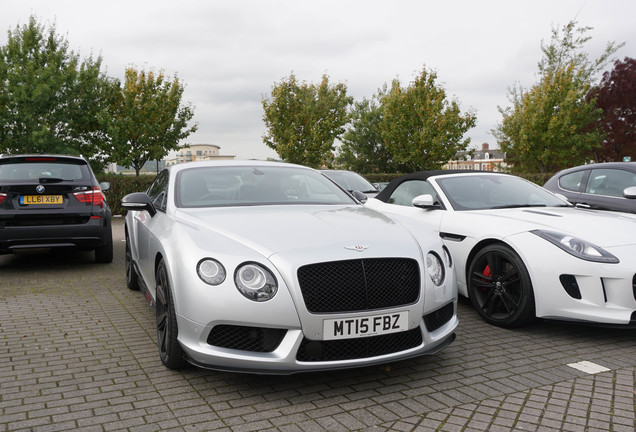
<point>435,268</point>
<point>211,271</point>
<point>577,247</point>
<point>255,282</point>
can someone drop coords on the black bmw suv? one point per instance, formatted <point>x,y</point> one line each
<point>53,201</point>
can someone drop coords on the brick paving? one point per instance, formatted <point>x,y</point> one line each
<point>78,352</point>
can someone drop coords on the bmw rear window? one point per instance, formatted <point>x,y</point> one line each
<point>39,171</point>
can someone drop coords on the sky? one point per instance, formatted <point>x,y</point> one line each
<point>230,53</point>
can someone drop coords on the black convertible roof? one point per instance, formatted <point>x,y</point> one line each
<point>421,175</point>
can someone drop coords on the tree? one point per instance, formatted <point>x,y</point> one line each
<point>147,119</point>
<point>616,96</point>
<point>421,128</point>
<point>50,101</point>
<point>363,149</point>
<point>304,120</point>
<point>549,126</point>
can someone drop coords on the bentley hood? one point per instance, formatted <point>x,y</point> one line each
<point>339,231</point>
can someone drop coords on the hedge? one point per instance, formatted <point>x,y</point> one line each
<point>538,178</point>
<point>122,185</point>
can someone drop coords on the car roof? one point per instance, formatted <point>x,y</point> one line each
<point>422,175</point>
<point>35,156</point>
<point>631,166</point>
<point>226,163</point>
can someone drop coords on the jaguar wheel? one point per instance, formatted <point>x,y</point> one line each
<point>500,288</point>
<point>170,351</point>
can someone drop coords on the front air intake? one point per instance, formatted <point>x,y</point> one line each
<point>571,286</point>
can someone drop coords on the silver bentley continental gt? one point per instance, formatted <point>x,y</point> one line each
<point>272,268</point>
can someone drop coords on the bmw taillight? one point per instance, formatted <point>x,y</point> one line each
<point>2,197</point>
<point>93,197</point>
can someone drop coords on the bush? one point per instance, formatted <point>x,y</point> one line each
<point>538,178</point>
<point>120,186</point>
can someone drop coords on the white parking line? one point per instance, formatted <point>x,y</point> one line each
<point>588,367</point>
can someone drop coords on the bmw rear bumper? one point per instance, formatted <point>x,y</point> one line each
<point>89,235</point>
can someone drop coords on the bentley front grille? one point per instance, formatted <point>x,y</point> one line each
<point>359,285</point>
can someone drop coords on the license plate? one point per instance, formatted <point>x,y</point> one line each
<point>373,325</point>
<point>40,199</point>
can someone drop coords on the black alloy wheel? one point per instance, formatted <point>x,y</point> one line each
<point>170,351</point>
<point>499,287</point>
<point>132,279</point>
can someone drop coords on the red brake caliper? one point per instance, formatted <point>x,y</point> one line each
<point>486,273</point>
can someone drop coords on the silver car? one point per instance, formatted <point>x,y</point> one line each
<point>271,268</point>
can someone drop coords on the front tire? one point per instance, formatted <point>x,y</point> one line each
<point>132,279</point>
<point>170,350</point>
<point>500,288</point>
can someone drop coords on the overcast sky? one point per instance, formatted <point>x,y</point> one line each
<point>230,53</point>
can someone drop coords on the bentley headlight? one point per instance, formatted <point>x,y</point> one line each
<point>434,268</point>
<point>577,247</point>
<point>211,271</point>
<point>255,282</point>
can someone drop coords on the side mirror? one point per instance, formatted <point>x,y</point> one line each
<point>359,196</point>
<point>630,192</point>
<point>424,202</point>
<point>138,201</point>
<point>104,186</point>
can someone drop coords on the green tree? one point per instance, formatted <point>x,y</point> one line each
<point>421,128</point>
<point>304,120</point>
<point>549,127</point>
<point>50,101</point>
<point>147,119</point>
<point>363,148</point>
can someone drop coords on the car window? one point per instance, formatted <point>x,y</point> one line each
<point>572,181</point>
<point>403,194</point>
<point>350,181</point>
<point>255,185</point>
<point>158,190</point>
<point>34,171</point>
<point>478,192</point>
<point>610,182</point>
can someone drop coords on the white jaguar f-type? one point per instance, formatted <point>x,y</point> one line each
<point>273,268</point>
<point>521,252</point>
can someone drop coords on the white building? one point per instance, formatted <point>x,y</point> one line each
<point>198,152</point>
<point>486,159</point>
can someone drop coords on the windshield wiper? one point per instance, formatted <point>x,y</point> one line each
<point>517,206</point>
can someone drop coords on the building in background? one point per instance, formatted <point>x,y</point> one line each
<point>193,152</point>
<point>485,159</point>
<point>150,167</point>
<point>198,152</point>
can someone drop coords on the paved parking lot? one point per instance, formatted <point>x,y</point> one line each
<point>77,352</point>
